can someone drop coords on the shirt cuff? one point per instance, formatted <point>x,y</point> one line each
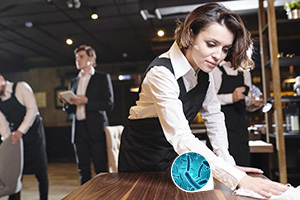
<point>227,173</point>
<point>225,155</point>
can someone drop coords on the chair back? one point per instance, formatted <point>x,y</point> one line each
<point>11,167</point>
<point>113,140</point>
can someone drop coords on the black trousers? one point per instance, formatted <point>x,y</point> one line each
<point>87,150</point>
<point>43,185</point>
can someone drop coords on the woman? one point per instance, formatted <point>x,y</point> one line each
<point>234,91</point>
<point>175,87</point>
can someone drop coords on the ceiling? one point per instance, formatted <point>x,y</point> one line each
<point>120,34</point>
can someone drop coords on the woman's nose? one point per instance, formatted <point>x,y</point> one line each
<point>217,55</point>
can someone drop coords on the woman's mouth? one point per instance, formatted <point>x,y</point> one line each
<point>212,64</point>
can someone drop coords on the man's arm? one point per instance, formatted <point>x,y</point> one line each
<point>66,107</point>
<point>106,101</point>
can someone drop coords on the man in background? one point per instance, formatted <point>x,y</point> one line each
<point>94,96</point>
<point>19,117</point>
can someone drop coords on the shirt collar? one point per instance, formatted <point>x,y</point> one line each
<point>90,73</point>
<point>8,89</point>
<point>179,62</point>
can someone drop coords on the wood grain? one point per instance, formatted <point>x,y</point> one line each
<point>146,185</point>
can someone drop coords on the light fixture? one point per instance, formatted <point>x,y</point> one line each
<point>124,77</point>
<point>124,55</point>
<point>94,16</point>
<point>77,4</point>
<point>69,41</point>
<point>69,3</point>
<point>73,3</point>
<point>29,24</point>
<point>160,33</point>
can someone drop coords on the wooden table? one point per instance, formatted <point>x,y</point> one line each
<point>144,185</point>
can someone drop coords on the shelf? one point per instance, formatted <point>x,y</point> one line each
<point>287,135</point>
<point>259,146</point>
<point>286,99</point>
<point>284,27</point>
<point>286,62</point>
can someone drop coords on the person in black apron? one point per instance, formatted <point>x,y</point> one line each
<point>35,158</point>
<point>175,87</point>
<point>236,118</point>
<point>234,91</point>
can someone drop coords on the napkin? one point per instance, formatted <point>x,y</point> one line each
<point>292,193</point>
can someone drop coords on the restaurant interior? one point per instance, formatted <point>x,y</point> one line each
<point>38,37</point>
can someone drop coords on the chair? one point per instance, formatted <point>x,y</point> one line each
<point>113,140</point>
<point>11,167</point>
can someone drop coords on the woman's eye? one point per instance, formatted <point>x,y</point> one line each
<point>211,44</point>
<point>226,50</point>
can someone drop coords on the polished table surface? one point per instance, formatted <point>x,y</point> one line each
<point>144,185</point>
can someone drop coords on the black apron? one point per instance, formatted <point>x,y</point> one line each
<point>143,143</point>
<point>35,158</point>
<point>236,119</point>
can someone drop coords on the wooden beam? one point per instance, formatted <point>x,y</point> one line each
<point>278,115</point>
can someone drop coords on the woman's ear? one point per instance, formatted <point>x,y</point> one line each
<point>191,37</point>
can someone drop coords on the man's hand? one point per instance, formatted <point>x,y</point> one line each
<point>237,94</point>
<point>61,98</point>
<point>79,100</point>
<point>16,136</point>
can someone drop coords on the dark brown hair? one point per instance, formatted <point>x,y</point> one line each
<point>89,51</point>
<point>202,17</point>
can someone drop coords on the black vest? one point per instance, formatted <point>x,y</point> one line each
<point>143,144</point>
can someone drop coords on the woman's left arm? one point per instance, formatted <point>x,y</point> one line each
<point>215,123</point>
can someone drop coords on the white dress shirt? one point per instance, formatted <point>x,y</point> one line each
<point>25,96</point>
<point>81,90</point>
<point>227,98</point>
<point>159,98</point>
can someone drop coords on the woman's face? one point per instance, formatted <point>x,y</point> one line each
<point>210,46</point>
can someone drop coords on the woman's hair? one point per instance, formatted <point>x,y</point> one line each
<point>202,17</point>
<point>89,51</point>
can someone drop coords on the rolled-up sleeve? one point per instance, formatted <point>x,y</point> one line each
<point>26,96</point>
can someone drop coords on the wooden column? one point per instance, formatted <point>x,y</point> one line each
<point>263,40</point>
<point>273,45</point>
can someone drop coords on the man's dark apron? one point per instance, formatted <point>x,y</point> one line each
<point>35,159</point>
<point>143,143</point>
<point>236,119</point>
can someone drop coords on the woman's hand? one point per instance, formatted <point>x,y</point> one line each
<point>264,187</point>
<point>250,170</point>
<point>16,136</point>
<point>257,102</point>
<point>237,94</point>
